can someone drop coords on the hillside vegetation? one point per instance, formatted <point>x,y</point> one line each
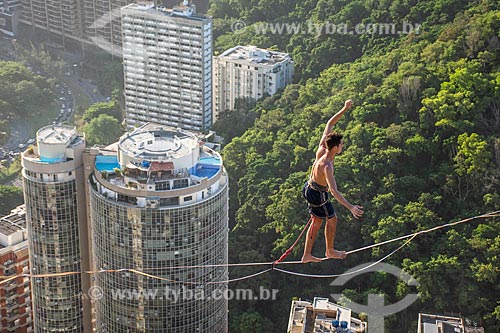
<point>422,149</point>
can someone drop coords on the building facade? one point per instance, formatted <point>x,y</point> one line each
<point>62,18</point>
<point>167,59</point>
<point>102,23</point>
<point>159,203</point>
<point>247,72</point>
<point>15,297</point>
<point>54,195</point>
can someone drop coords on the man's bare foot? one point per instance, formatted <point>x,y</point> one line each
<point>309,258</point>
<point>335,254</point>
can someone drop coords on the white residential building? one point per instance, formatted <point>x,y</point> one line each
<point>249,72</point>
<point>167,58</point>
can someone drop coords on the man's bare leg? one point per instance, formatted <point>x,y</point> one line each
<point>310,238</point>
<point>330,229</point>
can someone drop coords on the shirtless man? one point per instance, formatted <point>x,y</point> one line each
<point>316,189</point>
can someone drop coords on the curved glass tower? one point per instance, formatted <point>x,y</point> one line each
<point>54,194</point>
<point>159,202</point>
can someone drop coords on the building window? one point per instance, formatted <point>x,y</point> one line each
<point>169,201</point>
<point>181,183</point>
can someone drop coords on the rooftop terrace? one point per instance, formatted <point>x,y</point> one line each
<point>255,55</point>
<point>12,224</point>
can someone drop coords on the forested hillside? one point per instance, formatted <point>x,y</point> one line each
<point>422,149</point>
<point>22,94</point>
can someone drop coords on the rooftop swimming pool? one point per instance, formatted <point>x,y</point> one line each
<point>204,170</point>
<point>51,160</point>
<point>212,160</point>
<point>206,167</point>
<point>106,163</point>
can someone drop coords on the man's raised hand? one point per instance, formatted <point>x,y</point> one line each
<point>348,104</point>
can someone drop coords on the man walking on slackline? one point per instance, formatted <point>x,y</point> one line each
<point>316,189</point>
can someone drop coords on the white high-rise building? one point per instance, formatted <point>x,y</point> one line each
<point>250,73</point>
<point>167,58</point>
<point>159,204</point>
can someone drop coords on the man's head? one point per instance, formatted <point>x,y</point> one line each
<point>334,140</point>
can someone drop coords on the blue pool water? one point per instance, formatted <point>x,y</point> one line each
<point>204,170</point>
<point>106,163</point>
<point>51,160</point>
<point>210,160</point>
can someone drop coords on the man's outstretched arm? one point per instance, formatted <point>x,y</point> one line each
<point>335,118</point>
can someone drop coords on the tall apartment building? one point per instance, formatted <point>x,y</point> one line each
<point>167,58</point>
<point>15,298</point>
<point>61,17</point>
<point>102,23</point>
<point>249,72</point>
<point>158,203</point>
<point>54,195</point>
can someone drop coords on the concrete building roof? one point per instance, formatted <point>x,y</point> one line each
<point>13,227</point>
<point>255,55</point>
<point>152,142</point>
<point>182,10</point>
<point>56,134</point>
<point>322,316</point>
<point>429,323</point>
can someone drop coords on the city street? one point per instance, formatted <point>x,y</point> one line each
<point>21,129</point>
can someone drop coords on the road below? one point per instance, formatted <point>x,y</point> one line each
<point>20,132</point>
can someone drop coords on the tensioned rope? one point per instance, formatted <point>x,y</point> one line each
<point>5,279</point>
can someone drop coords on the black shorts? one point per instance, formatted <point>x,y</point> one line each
<point>318,202</point>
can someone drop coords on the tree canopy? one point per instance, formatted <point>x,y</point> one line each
<point>21,90</point>
<point>422,148</point>
<point>102,130</point>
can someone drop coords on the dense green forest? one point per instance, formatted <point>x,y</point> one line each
<point>22,94</point>
<point>422,149</point>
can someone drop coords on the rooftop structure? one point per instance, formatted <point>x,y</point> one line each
<point>248,72</point>
<point>322,316</point>
<point>158,198</point>
<point>428,323</point>
<point>15,299</point>
<point>255,55</point>
<point>10,12</point>
<point>13,227</point>
<point>167,57</point>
